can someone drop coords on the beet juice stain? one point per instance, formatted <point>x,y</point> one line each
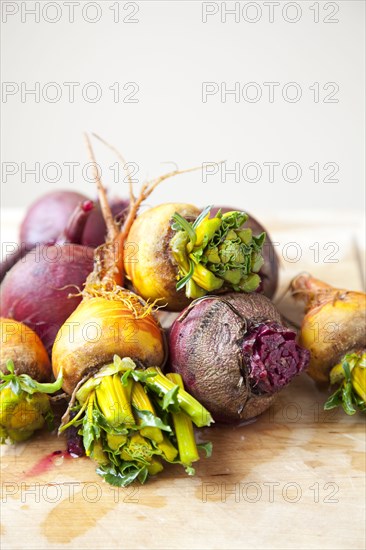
<point>47,463</point>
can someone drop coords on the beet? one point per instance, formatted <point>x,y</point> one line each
<point>269,270</point>
<point>35,291</point>
<point>272,356</point>
<point>11,259</point>
<point>75,446</point>
<point>234,354</point>
<point>47,217</point>
<point>95,229</point>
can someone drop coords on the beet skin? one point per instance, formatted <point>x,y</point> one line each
<point>234,354</point>
<point>35,291</point>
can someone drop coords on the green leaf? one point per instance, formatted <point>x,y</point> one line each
<point>149,420</point>
<point>119,365</point>
<point>142,376</point>
<point>259,240</point>
<point>137,375</point>
<point>347,403</point>
<point>202,216</point>
<point>10,366</point>
<point>184,226</point>
<point>207,447</point>
<point>190,470</point>
<point>334,400</point>
<point>91,432</point>
<point>125,377</point>
<point>100,420</point>
<point>14,385</point>
<point>23,382</point>
<point>182,282</point>
<point>119,478</point>
<point>170,399</point>
<point>347,370</point>
<point>143,475</point>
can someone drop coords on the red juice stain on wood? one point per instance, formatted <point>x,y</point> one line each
<point>47,462</point>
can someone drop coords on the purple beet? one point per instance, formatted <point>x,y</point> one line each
<point>95,228</point>
<point>36,291</point>
<point>234,354</point>
<point>48,216</point>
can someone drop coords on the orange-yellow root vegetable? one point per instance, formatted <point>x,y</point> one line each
<point>20,344</point>
<point>102,351</point>
<point>24,367</point>
<point>180,255</point>
<point>148,263</point>
<point>101,327</point>
<point>334,324</point>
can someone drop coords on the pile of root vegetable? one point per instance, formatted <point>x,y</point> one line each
<point>80,300</point>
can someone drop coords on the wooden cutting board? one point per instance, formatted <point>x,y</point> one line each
<point>293,478</point>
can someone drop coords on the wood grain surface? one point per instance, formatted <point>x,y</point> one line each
<point>293,478</point>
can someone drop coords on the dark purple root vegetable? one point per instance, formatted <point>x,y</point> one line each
<point>48,216</point>
<point>35,291</point>
<point>272,355</point>
<point>48,219</point>
<point>269,270</point>
<point>234,354</point>
<point>11,259</point>
<point>95,228</point>
<point>75,445</point>
<point>51,219</point>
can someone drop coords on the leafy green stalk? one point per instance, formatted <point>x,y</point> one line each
<point>350,375</point>
<point>175,398</point>
<point>183,426</point>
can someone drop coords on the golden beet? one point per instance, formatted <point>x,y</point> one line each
<point>102,350</point>
<point>100,328</point>
<point>21,345</point>
<point>149,263</point>
<point>334,324</point>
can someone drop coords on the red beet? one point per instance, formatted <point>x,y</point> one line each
<point>234,354</point>
<point>269,270</point>
<point>11,259</point>
<point>35,291</point>
<point>95,228</point>
<point>48,216</point>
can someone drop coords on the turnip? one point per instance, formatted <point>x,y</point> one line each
<point>234,354</point>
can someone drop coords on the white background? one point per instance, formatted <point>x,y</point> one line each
<point>169,53</point>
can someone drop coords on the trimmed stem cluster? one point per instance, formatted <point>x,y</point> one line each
<point>24,405</point>
<point>350,377</point>
<point>216,253</point>
<point>132,420</point>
